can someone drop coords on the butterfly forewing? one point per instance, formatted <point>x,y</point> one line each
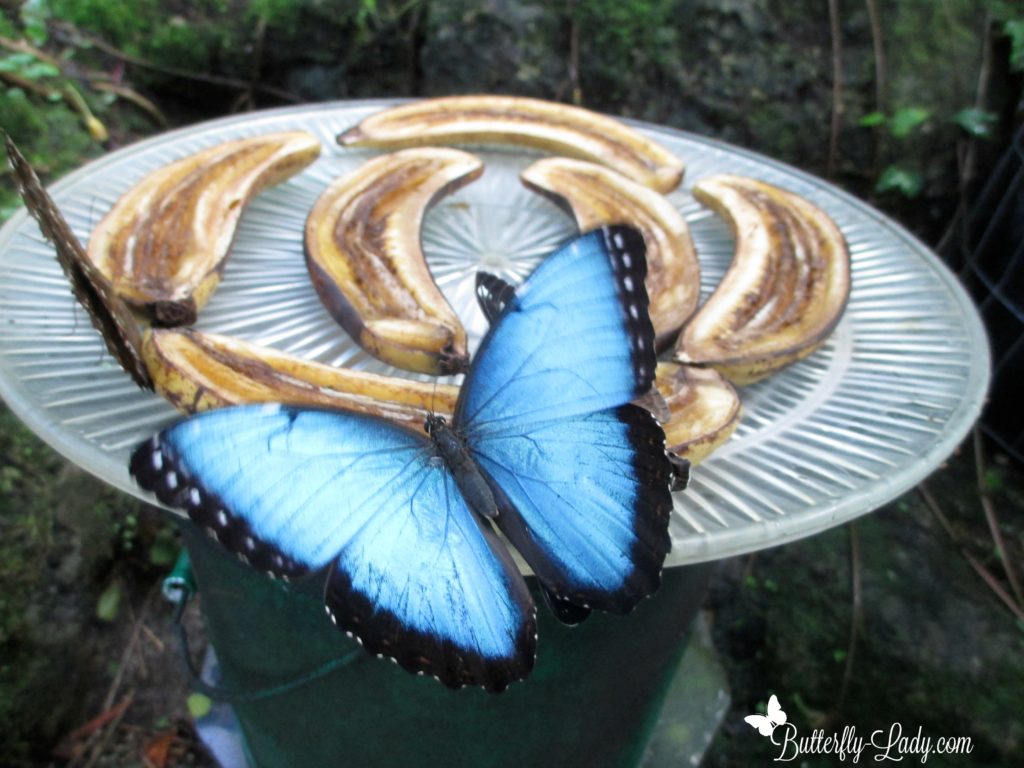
<point>108,313</point>
<point>414,574</point>
<point>575,338</point>
<point>582,476</point>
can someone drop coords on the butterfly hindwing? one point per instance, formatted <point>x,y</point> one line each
<point>380,601</point>
<point>590,514</point>
<point>414,574</point>
<point>581,476</point>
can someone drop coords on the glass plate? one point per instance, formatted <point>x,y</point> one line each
<point>888,397</point>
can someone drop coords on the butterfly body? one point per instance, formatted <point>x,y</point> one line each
<point>544,444</point>
<point>452,450</point>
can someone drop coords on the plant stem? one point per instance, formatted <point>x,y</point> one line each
<point>980,569</point>
<point>856,615</point>
<point>993,524</point>
<point>837,88</point>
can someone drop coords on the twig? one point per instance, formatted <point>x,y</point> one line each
<point>23,46</point>
<point>881,77</point>
<point>837,87</point>
<point>879,52</point>
<point>748,566</point>
<point>993,524</point>
<point>857,613</point>
<point>65,91</point>
<point>108,731</point>
<point>24,83</point>
<point>87,732</point>
<point>227,82</point>
<point>245,100</point>
<point>574,53</point>
<point>980,569</point>
<point>133,96</point>
<point>412,49</point>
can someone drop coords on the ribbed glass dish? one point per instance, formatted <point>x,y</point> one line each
<point>874,411</point>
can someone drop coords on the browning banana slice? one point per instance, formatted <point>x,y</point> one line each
<point>784,291</point>
<point>163,244</point>
<point>198,371</point>
<point>364,256</point>
<point>598,195</point>
<point>557,128</point>
<point>704,409</point>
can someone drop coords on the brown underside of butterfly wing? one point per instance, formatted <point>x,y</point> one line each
<point>111,316</point>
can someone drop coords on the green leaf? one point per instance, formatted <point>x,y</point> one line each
<point>28,66</point>
<point>871,119</point>
<point>896,179</point>
<point>1014,29</point>
<point>993,480</point>
<point>34,15</point>
<point>163,552</point>
<point>977,122</point>
<point>905,120</point>
<point>198,705</point>
<point>39,69</point>
<point>15,62</point>
<point>109,604</point>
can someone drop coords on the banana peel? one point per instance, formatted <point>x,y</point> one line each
<point>784,291</point>
<point>164,243</point>
<point>598,195</point>
<point>704,409</point>
<point>197,371</point>
<point>363,253</point>
<point>559,129</point>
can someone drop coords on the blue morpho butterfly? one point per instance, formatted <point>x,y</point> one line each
<point>544,443</point>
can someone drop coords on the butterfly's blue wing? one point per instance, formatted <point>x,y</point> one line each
<point>413,573</point>
<point>581,475</point>
<point>574,338</point>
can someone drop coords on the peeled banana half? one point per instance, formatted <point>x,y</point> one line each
<point>364,256</point>
<point>557,128</point>
<point>784,291</point>
<point>163,244</point>
<point>704,409</point>
<point>598,195</point>
<point>198,371</point>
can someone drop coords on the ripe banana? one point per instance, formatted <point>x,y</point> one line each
<point>784,291</point>
<point>598,195</point>
<point>198,371</point>
<point>363,253</point>
<point>557,128</point>
<point>704,409</point>
<point>163,244</point>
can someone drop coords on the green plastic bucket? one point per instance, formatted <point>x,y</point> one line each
<point>592,699</point>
